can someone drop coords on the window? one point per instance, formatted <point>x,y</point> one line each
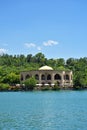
<point>67,77</point>
<point>27,76</point>
<point>37,77</point>
<point>48,77</point>
<point>43,77</point>
<point>21,77</point>
<point>57,77</point>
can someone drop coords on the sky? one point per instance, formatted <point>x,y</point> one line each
<point>56,28</point>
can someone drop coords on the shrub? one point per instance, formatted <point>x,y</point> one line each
<point>14,88</point>
<point>44,88</point>
<point>30,83</point>
<point>77,87</point>
<point>56,87</point>
<point>4,87</point>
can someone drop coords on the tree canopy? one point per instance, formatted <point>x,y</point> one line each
<point>12,65</point>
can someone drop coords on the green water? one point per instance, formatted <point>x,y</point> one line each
<point>50,110</point>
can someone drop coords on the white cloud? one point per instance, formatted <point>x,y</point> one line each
<point>50,43</point>
<point>2,51</point>
<point>29,45</point>
<point>39,48</point>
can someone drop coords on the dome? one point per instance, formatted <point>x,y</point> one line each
<point>46,68</point>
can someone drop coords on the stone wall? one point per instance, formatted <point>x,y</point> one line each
<point>51,77</point>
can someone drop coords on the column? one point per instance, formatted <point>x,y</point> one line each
<point>39,78</point>
<point>62,78</point>
<point>52,78</point>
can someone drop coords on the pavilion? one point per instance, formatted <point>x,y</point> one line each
<point>47,76</point>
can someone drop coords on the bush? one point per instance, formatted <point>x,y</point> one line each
<point>56,87</point>
<point>4,87</point>
<point>30,83</point>
<point>77,87</point>
<point>44,88</point>
<point>14,88</point>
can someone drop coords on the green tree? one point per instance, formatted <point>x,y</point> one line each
<point>39,58</point>
<point>29,58</point>
<point>11,78</point>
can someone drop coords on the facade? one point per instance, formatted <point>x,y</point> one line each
<point>47,76</point>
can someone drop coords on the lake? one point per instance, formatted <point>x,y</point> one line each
<point>48,110</point>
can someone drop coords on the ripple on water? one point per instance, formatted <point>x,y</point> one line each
<point>43,111</point>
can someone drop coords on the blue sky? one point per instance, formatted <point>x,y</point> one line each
<point>57,28</point>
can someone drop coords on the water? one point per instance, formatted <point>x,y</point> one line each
<point>50,110</point>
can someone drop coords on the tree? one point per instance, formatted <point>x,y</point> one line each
<point>11,78</point>
<point>39,58</point>
<point>29,58</point>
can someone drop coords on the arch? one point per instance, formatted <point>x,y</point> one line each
<point>42,77</point>
<point>27,76</point>
<point>57,77</point>
<point>67,77</point>
<point>48,77</point>
<point>37,77</point>
<point>21,77</point>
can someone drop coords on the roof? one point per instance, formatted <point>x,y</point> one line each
<point>46,68</point>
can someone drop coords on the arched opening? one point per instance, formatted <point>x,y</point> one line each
<point>67,77</point>
<point>37,77</point>
<point>43,77</point>
<point>27,76</point>
<point>57,77</point>
<point>48,77</point>
<point>21,77</point>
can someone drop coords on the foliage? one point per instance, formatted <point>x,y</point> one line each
<point>12,65</point>
<point>15,88</point>
<point>56,87</point>
<point>4,87</point>
<point>77,87</point>
<point>30,83</point>
<point>11,78</point>
<point>45,88</point>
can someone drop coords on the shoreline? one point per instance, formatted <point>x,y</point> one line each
<point>44,89</point>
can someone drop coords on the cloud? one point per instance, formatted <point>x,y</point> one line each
<point>29,45</point>
<point>50,43</point>
<point>2,51</point>
<point>39,48</point>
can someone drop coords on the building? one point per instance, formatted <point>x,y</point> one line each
<point>47,76</point>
